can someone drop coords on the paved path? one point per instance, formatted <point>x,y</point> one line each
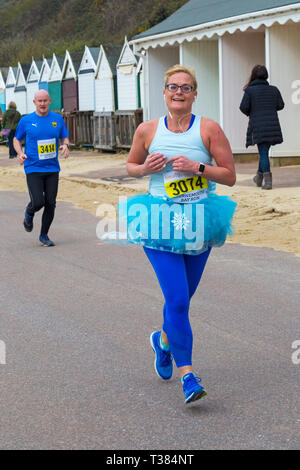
<point>79,374</point>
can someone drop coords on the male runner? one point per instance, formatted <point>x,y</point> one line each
<point>42,131</point>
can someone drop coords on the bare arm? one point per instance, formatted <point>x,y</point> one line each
<point>218,146</point>
<point>18,148</point>
<point>139,163</point>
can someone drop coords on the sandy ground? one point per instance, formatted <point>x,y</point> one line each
<point>263,218</point>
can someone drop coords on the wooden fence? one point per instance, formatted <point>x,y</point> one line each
<point>70,122</point>
<point>104,130</point>
<point>126,123</point>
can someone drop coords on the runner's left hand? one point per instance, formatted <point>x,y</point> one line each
<point>182,163</point>
<point>64,151</point>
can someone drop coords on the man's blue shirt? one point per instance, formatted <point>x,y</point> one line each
<point>42,134</point>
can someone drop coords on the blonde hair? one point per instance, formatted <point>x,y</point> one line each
<point>181,69</point>
<point>12,105</point>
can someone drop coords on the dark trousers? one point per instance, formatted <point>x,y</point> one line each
<point>12,152</point>
<point>42,189</point>
<point>264,161</point>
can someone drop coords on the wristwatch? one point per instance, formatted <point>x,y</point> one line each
<point>201,168</point>
<point>66,144</point>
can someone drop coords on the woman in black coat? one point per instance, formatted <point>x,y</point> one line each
<point>261,102</point>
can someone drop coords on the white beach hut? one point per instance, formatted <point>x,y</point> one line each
<point>33,84</point>
<point>86,79</point>
<point>20,88</point>
<point>44,74</point>
<point>127,85</point>
<point>223,40</point>
<point>106,98</point>
<point>10,84</point>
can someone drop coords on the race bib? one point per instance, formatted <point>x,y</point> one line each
<point>185,187</point>
<point>47,149</point>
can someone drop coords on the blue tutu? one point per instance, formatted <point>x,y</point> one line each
<point>159,223</point>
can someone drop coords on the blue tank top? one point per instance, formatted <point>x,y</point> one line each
<point>188,143</point>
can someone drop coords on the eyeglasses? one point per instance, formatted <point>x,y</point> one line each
<point>172,87</point>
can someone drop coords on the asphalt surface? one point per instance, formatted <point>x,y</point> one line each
<point>76,320</point>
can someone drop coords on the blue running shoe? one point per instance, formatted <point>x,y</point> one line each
<point>28,222</point>
<point>45,240</point>
<point>163,364</point>
<point>192,390</point>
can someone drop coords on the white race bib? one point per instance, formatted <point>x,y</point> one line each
<point>184,187</point>
<point>46,149</point>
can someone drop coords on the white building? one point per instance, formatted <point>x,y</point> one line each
<point>44,75</point>
<point>10,84</point>
<point>21,87</point>
<point>32,84</point>
<point>223,40</point>
<point>86,79</point>
<point>127,85</point>
<point>106,98</point>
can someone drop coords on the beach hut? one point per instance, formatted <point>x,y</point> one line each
<point>223,40</point>
<point>44,75</point>
<point>106,79</point>
<point>70,82</point>
<point>86,79</point>
<point>10,84</point>
<point>54,83</point>
<point>20,87</point>
<point>127,84</point>
<point>33,84</point>
<point>3,76</point>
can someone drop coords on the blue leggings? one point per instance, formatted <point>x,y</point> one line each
<point>178,276</point>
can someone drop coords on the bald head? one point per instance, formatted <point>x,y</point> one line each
<point>42,94</point>
<point>42,102</point>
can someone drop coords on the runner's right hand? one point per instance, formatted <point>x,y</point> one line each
<point>154,163</point>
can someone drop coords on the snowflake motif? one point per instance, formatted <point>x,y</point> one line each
<point>180,221</point>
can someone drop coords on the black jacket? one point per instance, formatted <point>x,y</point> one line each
<point>261,102</point>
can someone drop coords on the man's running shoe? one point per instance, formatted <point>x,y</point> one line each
<point>28,222</point>
<point>163,360</point>
<point>192,390</point>
<point>45,240</point>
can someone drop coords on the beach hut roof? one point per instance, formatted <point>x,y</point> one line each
<point>95,53</point>
<point>202,12</point>
<point>113,54</point>
<point>4,71</point>
<point>76,58</point>
<point>25,69</point>
<point>22,71</point>
<point>2,82</point>
<point>127,56</point>
<point>39,64</point>
<point>60,61</point>
<point>11,76</point>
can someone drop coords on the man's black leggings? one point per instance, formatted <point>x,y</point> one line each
<point>42,189</point>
